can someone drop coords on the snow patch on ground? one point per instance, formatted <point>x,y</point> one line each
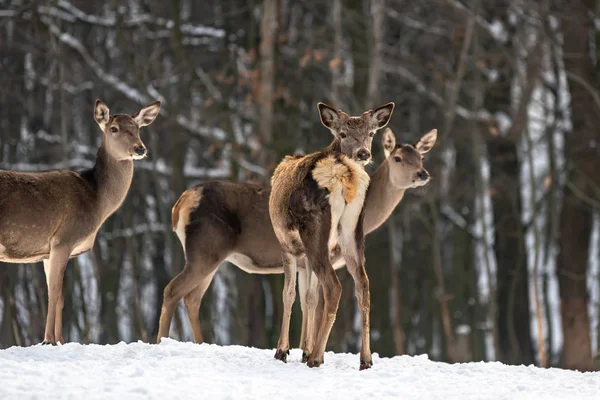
<point>175,370</point>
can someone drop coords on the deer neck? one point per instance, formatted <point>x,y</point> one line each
<point>112,179</point>
<point>382,198</point>
<point>334,147</point>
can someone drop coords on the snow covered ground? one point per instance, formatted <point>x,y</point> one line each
<point>174,370</point>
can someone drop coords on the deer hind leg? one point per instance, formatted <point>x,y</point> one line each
<point>192,302</point>
<point>289,294</point>
<point>317,253</point>
<point>319,310</point>
<point>312,301</point>
<point>181,285</point>
<point>55,271</point>
<point>302,290</point>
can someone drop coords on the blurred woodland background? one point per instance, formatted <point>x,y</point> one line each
<point>496,259</point>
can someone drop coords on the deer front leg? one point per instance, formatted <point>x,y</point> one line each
<point>363,297</point>
<point>289,294</point>
<point>54,268</point>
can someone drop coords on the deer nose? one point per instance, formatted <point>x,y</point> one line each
<point>363,154</point>
<point>140,150</point>
<point>423,175</point>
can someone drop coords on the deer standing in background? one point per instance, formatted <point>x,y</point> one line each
<point>316,205</point>
<point>52,216</point>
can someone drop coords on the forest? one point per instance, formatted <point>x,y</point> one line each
<point>496,258</point>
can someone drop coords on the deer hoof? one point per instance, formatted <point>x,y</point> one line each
<point>305,357</point>
<point>47,342</point>
<point>314,363</point>
<point>282,355</point>
<point>365,364</point>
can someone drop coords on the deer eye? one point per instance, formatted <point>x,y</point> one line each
<point>343,135</point>
<point>397,159</point>
<point>114,129</point>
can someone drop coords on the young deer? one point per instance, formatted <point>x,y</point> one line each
<point>53,216</point>
<point>316,205</point>
<point>402,169</point>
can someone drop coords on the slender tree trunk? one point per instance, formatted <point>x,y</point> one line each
<point>512,288</point>
<point>537,293</point>
<point>336,64</point>
<point>395,298</point>
<point>582,170</point>
<point>268,35</point>
<point>377,30</point>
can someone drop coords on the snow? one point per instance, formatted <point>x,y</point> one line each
<point>176,370</point>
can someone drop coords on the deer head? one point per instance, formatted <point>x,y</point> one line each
<point>122,132</point>
<point>355,134</point>
<point>406,160</point>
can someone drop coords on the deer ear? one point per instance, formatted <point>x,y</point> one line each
<point>382,115</point>
<point>427,141</point>
<point>147,114</point>
<point>329,115</point>
<point>389,142</point>
<point>101,114</point>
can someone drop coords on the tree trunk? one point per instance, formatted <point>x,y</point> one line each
<point>268,32</point>
<point>582,166</point>
<point>395,298</point>
<point>336,64</point>
<point>514,317</point>
<point>377,29</point>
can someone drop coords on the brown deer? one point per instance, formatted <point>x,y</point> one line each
<point>402,169</point>
<point>316,205</point>
<point>222,221</point>
<point>52,216</point>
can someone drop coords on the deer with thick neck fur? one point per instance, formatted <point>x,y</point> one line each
<point>221,221</point>
<point>52,216</point>
<point>316,206</point>
<point>402,169</point>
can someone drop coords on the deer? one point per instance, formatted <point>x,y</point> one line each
<point>53,216</point>
<point>316,205</point>
<point>402,169</point>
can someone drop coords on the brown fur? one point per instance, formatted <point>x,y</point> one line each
<point>55,215</point>
<point>316,206</point>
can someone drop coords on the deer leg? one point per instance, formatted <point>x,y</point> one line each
<point>319,310</point>
<point>355,261</point>
<point>302,289</point>
<point>55,270</point>
<point>289,294</point>
<point>312,300</point>
<point>179,286</point>
<point>58,328</point>
<point>192,302</point>
<point>332,289</point>
<point>317,254</point>
<point>363,297</point>
<point>58,324</point>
